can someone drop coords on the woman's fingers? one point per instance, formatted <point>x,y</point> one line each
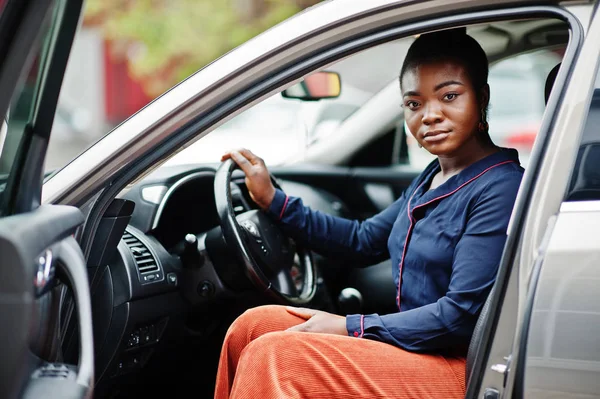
<point>242,154</point>
<point>225,156</point>
<point>303,313</point>
<point>242,162</point>
<point>249,155</point>
<point>258,180</point>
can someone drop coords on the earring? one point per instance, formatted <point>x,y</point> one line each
<point>483,125</point>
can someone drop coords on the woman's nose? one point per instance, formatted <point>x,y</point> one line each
<point>432,113</point>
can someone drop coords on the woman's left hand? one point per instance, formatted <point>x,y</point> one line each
<point>318,321</point>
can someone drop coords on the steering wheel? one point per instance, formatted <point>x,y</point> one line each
<point>274,263</point>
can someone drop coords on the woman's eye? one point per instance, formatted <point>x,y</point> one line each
<point>450,96</point>
<point>412,104</point>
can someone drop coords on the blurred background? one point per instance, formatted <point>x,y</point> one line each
<point>128,52</point>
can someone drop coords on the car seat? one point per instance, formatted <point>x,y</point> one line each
<point>585,183</point>
<point>550,81</point>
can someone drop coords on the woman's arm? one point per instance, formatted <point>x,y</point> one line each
<point>335,236</point>
<point>362,241</point>
<point>449,322</point>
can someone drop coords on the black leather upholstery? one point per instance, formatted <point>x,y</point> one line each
<point>476,337</point>
<point>586,176</point>
<point>550,81</point>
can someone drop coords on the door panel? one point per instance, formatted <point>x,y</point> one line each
<point>562,356</point>
<point>499,363</point>
<point>38,253</point>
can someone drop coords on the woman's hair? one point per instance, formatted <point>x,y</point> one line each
<point>449,45</point>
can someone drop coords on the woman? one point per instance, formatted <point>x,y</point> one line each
<point>445,236</point>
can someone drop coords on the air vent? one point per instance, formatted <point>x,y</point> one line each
<point>143,257</point>
<point>51,370</point>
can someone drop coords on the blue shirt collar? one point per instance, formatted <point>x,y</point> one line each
<point>456,182</point>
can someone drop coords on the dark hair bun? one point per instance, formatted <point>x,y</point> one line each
<point>449,44</point>
<point>454,34</point>
<point>462,31</point>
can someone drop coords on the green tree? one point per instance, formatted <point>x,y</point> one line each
<point>165,41</point>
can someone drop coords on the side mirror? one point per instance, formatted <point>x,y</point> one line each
<point>316,87</point>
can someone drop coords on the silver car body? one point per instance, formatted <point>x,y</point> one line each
<point>562,237</point>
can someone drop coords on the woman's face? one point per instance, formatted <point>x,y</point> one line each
<point>441,107</point>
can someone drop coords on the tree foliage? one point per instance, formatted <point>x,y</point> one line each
<point>165,41</point>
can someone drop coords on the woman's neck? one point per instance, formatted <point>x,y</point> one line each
<point>468,154</point>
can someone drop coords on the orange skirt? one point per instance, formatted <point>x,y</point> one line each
<point>260,360</point>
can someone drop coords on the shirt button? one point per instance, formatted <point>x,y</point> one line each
<point>356,333</point>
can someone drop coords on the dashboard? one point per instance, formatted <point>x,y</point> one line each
<point>143,282</point>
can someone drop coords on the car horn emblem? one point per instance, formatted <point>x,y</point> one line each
<point>250,228</point>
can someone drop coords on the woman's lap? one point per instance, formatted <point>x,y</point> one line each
<point>273,363</point>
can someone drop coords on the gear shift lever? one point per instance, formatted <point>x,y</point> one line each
<point>350,301</point>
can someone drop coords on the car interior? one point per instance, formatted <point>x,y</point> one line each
<point>170,267</point>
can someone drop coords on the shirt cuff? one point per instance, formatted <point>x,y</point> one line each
<point>278,205</point>
<point>355,324</point>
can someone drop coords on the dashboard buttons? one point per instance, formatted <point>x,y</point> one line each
<point>45,273</point>
<point>141,336</point>
<point>172,279</point>
<point>147,334</point>
<point>206,289</point>
<point>134,339</point>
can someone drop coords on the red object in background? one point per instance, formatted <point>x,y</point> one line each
<point>522,138</point>
<point>123,95</point>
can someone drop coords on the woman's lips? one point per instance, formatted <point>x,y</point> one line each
<point>435,136</point>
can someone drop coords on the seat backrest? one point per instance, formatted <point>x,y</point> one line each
<point>477,335</point>
<point>550,81</point>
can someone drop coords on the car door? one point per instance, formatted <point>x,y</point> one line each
<point>543,323</point>
<point>559,354</point>
<point>39,256</point>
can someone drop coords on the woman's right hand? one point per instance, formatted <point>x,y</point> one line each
<point>258,179</point>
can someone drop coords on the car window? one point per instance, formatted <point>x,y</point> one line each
<point>585,179</point>
<point>279,129</point>
<point>16,121</point>
<point>517,103</point>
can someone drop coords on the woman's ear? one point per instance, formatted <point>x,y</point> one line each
<point>485,96</point>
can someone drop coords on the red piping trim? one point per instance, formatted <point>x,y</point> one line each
<point>284,206</point>
<point>362,325</point>
<point>410,227</point>
<point>410,217</point>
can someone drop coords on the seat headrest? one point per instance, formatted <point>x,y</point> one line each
<point>550,81</point>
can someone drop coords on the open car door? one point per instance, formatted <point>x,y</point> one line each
<point>39,256</point>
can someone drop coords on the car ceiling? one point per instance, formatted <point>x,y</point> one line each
<point>499,40</point>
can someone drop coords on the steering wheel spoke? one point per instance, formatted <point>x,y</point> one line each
<point>271,260</point>
<point>285,283</point>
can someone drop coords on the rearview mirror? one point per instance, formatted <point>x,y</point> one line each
<point>316,87</point>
